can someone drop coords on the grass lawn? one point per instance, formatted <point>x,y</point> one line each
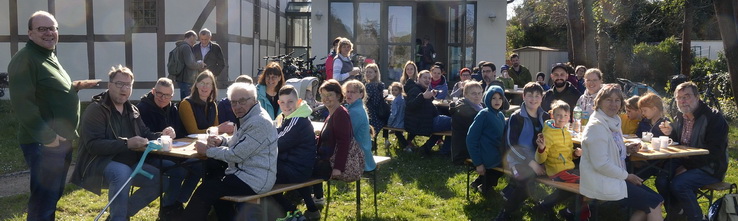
<point>410,187</point>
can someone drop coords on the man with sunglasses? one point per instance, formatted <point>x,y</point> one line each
<point>45,103</point>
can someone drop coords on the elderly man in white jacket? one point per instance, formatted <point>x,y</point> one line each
<point>251,155</point>
<point>602,166</point>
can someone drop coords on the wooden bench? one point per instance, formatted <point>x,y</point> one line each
<point>389,129</point>
<point>708,191</point>
<point>379,160</point>
<point>277,189</point>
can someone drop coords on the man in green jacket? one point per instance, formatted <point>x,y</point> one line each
<point>45,102</point>
<point>519,73</point>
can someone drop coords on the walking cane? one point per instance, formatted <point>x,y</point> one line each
<point>151,146</point>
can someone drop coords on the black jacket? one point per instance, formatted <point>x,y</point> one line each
<point>570,95</point>
<point>462,116</point>
<point>710,131</point>
<point>156,119</point>
<point>213,59</point>
<point>99,143</point>
<point>419,112</point>
<point>297,147</point>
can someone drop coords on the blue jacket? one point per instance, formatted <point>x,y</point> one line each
<point>520,135</point>
<point>484,139</point>
<point>645,126</point>
<point>225,112</point>
<point>296,144</point>
<point>443,88</point>
<point>360,125</point>
<point>397,113</point>
<point>264,101</point>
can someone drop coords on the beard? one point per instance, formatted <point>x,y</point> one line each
<point>561,83</point>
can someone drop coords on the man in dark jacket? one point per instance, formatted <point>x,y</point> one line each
<point>158,112</point>
<point>183,51</point>
<point>463,112</point>
<point>696,125</point>
<point>209,52</point>
<point>111,127</point>
<point>421,116</point>
<point>561,90</point>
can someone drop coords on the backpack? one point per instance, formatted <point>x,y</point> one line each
<point>725,208</point>
<point>174,65</point>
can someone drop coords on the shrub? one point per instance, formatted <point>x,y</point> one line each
<point>653,64</point>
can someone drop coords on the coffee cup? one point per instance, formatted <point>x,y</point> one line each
<point>646,136</point>
<point>202,137</point>
<point>665,141</point>
<point>385,92</point>
<point>166,142</point>
<point>656,143</point>
<point>515,87</point>
<point>212,131</point>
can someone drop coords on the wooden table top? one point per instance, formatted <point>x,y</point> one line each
<point>673,151</point>
<point>186,150</point>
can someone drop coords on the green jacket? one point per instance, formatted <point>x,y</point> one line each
<point>42,96</point>
<point>521,77</point>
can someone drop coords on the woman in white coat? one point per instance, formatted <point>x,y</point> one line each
<point>602,166</point>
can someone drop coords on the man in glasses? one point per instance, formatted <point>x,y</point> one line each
<point>111,127</point>
<point>46,104</point>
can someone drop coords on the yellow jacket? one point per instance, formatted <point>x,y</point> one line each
<point>628,126</point>
<point>559,150</point>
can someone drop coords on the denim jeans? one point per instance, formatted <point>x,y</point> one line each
<point>124,206</point>
<point>679,191</point>
<point>184,89</point>
<point>440,123</point>
<point>49,166</point>
<point>182,179</point>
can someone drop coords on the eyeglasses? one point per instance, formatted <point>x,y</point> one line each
<point>49,28</point>
<point>163,95</point>
<point>241,102</point>
<point>120,84</point>
<point>203,84</point>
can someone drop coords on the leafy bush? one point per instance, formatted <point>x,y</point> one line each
<point>653,64</point>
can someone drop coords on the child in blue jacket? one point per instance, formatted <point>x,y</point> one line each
<point>484,139</point>
<point>397,112</point>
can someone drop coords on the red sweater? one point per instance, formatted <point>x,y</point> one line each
<point>336,135</point>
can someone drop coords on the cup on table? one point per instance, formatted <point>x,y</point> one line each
<point>202,138</point>
<point>665,141</point>
<point>455,99</point>
<point>656,143</point>
<point>166,142</point>
<point>515,87</point>
<point>646,136</point>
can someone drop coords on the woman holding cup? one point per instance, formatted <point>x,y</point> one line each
<point>199,110</point>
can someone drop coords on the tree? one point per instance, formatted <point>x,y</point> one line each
<point>590,46</point>
<point>575,43</point>
<point>726,12</point>
<point>686,54</point>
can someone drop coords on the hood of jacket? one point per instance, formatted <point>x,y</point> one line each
<point>491,90</point>
<point>303,111</point>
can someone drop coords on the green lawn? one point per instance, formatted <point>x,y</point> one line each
<point>410,187</point>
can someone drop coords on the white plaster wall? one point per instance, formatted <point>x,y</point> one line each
<point>107,55</point>
<point>4,56</point>
<point>234,15</point>
<point>73,57</point>
<point>247,63</point>
<point>5,22</point>
<point>108,21</point>
<point>710,48</point>
<point>319,40</point>
<point>25,9</point>
<point>144,48</point>
<point>247,19</point>
<point>491,37</point>
<point>71,17</point>
<point>234,60</point>
<point>180,15</point>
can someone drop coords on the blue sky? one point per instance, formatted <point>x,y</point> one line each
<point>510,12</point>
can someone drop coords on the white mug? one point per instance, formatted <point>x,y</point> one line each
<point>385,92</point>
<point>665,141</point>
<point>212,131</point>
<point>646,136</point>
<point>515,87</point>
<point>202,137</point>
<point>656,143</point>
<point>166,142</point>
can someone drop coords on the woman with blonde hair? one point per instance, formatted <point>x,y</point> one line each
<point>199,111</point>
<point>355,96</point>
<point>375,103</point>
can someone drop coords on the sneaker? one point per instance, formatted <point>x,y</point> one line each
<point>312,215</point>
<point>503,216</point>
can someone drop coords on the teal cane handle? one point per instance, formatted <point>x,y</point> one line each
<point>151,146</point>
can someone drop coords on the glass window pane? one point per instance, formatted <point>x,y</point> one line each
<point>470,23</point>
<point>453,25</point>
<point>341,20</point>
<point>454,55</point>
<point>368,23</point>
<point>398,56</point>
<point>368,53</point>
<point>400,24</point>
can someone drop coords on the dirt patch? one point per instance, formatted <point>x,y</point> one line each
<point>20,182</point>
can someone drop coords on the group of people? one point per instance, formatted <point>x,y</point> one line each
<point>270,138</point>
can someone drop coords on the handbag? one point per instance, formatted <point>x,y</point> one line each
<point>354,160</point>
